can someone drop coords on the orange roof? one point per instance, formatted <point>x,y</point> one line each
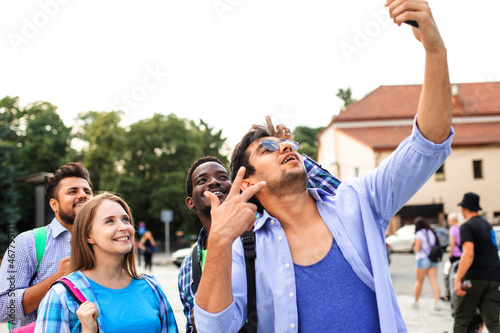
<point>389,137</point>
<point>401,102</point>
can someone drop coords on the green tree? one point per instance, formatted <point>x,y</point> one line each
<point>212,143</point>
<point>34,139</point>
<point>307,137</point>
<point>8,170</point>
<point>104,137</point>
<point>346,96</point>
<point>43,138</point>
<point>157,154</point>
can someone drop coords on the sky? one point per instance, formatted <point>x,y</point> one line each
<point>228,62</point>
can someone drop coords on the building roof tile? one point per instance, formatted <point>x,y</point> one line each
<point>401,102</point>
<point>389,137</point>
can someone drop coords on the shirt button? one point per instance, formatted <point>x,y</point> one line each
<point>272,221</point>
<point>280,237</point>
<point>292,325</point>
<point>290,294</point>
<point>287,265</point>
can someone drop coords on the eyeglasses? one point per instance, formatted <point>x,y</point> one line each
<point>274,145</point>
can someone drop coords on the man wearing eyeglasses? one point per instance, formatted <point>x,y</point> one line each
<point>321,264</point>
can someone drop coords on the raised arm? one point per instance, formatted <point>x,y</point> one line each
<point>435,107</point>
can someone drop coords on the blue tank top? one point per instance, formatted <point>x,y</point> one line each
<point>135,308</point>
<point>332,298</point>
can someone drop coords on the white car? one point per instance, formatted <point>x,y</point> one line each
<point>179,255</point>
<point>403,239</point>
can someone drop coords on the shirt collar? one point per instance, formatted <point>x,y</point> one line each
<point>57,228</point>
<point>316,193</point>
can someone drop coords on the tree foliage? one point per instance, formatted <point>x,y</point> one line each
<point>104,139</point>
<point>146,163</point>
<point>346,96</point>
<point>8,170</point>
<point>307,137</point>
<point>33,139</point>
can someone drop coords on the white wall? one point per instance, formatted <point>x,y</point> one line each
<point>458,170</point>
<point>353,154</point>
<point>459,179</point>
<point>326,152</point>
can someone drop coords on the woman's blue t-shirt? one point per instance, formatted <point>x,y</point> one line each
<point>135,308</point>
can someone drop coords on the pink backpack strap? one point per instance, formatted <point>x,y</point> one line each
<point>72,289</point>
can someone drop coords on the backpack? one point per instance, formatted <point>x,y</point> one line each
<point>436,253</point>
<point>248,240</point>
<point>40,241</point>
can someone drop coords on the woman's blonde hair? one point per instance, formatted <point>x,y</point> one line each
<point>82,254</point>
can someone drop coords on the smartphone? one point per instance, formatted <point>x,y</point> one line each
<point>412,23</point>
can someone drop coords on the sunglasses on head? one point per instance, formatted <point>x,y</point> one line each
<point>274,145</point>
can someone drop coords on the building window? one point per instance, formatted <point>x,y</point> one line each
<point>478,169</point>
<point>496,221</point>
<point>439,175</point>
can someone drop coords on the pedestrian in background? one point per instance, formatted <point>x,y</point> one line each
<point>425,238</point>
<point>454,250</point>
<point>140,231</point>
<point>148,245</point>
<point>481,266</point>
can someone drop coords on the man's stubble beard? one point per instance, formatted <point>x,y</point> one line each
<point>290,183</point>
<point>206,211</point>
<point>67,218</point>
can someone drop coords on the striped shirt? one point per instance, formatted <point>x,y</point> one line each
<point>19,267</point>
<point>317,178</point>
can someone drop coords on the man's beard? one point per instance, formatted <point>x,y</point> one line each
<point>67,218</point>
<point>289,184</point>
<point>205,211</point>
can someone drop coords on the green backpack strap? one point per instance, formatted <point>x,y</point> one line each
<point>40,241</point>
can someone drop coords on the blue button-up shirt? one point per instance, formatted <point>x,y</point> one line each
<point>357,216</point>
<point>19,267</point>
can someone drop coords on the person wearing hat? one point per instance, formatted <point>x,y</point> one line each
<point>480,265</point>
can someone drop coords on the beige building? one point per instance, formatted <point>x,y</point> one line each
<point>359,138</point>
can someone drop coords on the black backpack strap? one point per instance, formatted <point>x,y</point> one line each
<point>248,240</point>
<point>195,268</point>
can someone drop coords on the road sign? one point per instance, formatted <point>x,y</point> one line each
<point>167,215</point>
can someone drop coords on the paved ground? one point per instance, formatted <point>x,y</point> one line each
<point>425,319</point>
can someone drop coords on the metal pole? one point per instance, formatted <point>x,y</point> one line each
<point>167,239</point>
